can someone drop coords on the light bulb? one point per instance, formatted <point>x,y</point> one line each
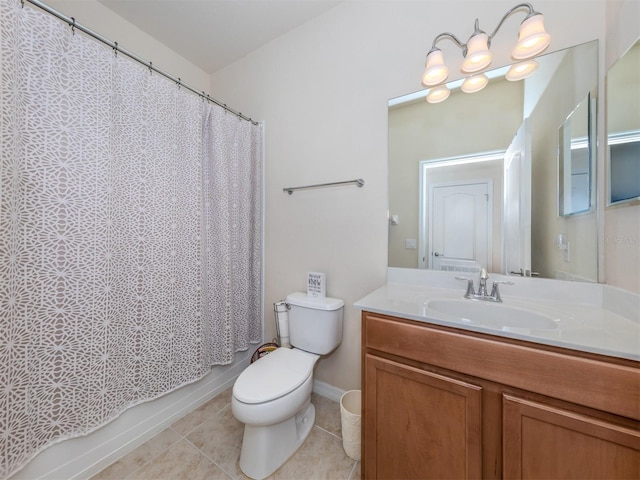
<point>435,70</point>
<point>474,83</point>
<point>438,94</point>
<point>478,55</point>
<point>521,70</point>
<point>532,38</point>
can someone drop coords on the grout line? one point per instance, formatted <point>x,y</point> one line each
<point>353,470</point>
<point>148,462</point>
<point>231,477</point>
<point>327,431</point>
<point>217,413</point>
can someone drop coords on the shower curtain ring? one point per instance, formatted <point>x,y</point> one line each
<point>73,26</point>
<point>179,83</point>
<point>115,49</point>
<point>150,68</point>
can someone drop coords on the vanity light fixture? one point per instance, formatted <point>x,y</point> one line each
<point>532,40</point>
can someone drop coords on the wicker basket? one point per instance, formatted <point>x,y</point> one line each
<point>263,350</point>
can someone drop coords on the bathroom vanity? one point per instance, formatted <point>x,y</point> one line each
<point>446,397</point>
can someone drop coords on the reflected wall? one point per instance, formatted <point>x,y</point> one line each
<point>571,81</point>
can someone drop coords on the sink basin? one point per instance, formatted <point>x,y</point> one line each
<point>493,315</point>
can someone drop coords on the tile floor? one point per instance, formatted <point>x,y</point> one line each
<point>205,444</point>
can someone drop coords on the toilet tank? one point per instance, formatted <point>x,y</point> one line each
<point>315,324</point>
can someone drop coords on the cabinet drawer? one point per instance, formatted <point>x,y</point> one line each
<point>611,387</point>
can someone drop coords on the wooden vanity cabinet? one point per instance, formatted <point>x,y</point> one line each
<point>446,403</point>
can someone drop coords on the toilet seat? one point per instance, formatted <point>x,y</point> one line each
<point>274,375</point>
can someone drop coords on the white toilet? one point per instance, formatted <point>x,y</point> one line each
<point>272,396</point>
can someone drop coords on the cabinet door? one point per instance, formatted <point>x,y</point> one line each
<point>418,424</point>
<point>541,441</point>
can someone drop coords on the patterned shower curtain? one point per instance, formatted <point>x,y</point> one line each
<point>130,234</point>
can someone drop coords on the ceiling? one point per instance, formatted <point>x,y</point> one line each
<point>215,33</point>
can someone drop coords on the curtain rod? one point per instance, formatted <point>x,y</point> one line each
<point>114,45</point>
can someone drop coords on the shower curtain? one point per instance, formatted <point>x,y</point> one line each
<point>130,234</point>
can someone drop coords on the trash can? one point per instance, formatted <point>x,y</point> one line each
<point>350,413</point>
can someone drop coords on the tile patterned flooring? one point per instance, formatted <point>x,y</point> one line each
<point>205,444</point>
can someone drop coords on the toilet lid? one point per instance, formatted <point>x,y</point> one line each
<point>274,375</point>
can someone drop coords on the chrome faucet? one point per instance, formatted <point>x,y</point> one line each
<point>482,283</point>
<point>482,294</point>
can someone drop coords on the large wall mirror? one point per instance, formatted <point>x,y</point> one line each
<point>623,129</point>
<point>475,182</point>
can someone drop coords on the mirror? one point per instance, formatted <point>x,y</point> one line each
<point>484,166</point>
<point>575,181</point>
<point>623,129</point>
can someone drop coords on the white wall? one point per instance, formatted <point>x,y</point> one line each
<point>567,89</point>
<point>322,90</point>
<point>100,19</point>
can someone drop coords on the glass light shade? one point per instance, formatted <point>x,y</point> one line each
<point>532,39</point>
<point>521,70</point>
<point>438,94</point>
<point>478,55</point>
<point>475,83</point>
<point>435,70</point>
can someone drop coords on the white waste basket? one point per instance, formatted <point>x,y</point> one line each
<point>350,413</point>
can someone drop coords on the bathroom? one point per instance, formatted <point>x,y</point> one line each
<point>322,92</point>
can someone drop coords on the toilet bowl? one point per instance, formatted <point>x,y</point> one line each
<point>274,402</point>
<point>273,388</point>
<point>272,396</point>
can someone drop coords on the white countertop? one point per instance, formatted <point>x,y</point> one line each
<point>585,326</point>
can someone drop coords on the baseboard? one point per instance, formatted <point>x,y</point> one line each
<point>81,458</point>
<point>328,391</point>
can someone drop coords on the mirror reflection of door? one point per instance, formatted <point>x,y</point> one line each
<point>459,226</point>
<point>517,204</point>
